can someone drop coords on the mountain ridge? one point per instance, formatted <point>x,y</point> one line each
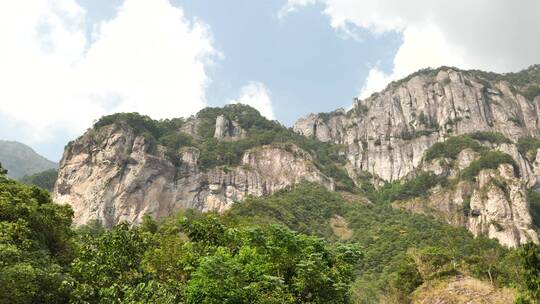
<point>20,159</point>
<point>129,164</point>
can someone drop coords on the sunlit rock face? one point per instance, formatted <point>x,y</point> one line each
<point>113,175</point>
<point>388,133</point>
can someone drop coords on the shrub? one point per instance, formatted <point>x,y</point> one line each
<point>415,187</point>
<point>488,160</point>
<point>451,147</point>
<point>534,206</point>
<point>492,137</point>
<point>527,146</point>
<point>531,92</point>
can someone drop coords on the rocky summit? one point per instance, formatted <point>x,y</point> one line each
<point>476,133</point>
<point>117,173</point>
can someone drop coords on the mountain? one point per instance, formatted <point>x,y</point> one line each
<point>388,133</point>
<point>129,165</point>
<point>20,160</point>
<point>456,145</point>
<point>449,122</point>
<point>422,193</point>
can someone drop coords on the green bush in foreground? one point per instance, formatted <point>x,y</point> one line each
<point>247,255</point>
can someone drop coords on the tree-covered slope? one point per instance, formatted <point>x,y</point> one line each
<point>391,239</point>
<point>190,258</point>
<point>20,160</point>
<point>45,179</point>
<point>251,254</point>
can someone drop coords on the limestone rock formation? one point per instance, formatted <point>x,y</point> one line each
<point>494,204</point>
<point>388,133</point>
<point>113,174</point>
<point>228,129</point>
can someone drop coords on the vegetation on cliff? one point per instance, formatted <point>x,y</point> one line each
<point>213,152</point>
<point>250,254</point>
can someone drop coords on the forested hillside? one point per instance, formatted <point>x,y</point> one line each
<point>302,245</point>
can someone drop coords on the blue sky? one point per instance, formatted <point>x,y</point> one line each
<point>67,62</point>
<point>304,62</point>
<point>307,65</point>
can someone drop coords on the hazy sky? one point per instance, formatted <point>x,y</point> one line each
<point>65,63</point>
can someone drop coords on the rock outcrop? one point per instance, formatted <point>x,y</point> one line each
<point>114,174</point>
<point>494,204</point>
<point>228,129</point>
<point>388,133</point>
<point>462,290</point>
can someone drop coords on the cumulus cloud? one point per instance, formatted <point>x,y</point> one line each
<point>149,58</point>
<point>257,95</point>
<point>292,5</point>
<point>495,35</point>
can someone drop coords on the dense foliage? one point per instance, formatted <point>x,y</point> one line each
<point>528,146</point>
<point>191,258</point>
<point>451,147</point>
<point>35,245</point>
<point>417,186</point>
<point>401,250</point>
<point>214,152</point>
<point>530,259</point>
<point>489,160</point>
<point>534,206</point>
<point>45,179</point>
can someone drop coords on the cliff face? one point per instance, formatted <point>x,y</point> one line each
<point>493,204</point>
<point>388,133</point>
<point>113,174</point>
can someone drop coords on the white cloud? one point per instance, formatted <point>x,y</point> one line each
<point>257,95</point>
<point>495,35</point>
<point>292,5</point>
<point>149,58</point>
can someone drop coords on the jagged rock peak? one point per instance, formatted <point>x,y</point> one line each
<point>129,165</point>
<point>387,133</point>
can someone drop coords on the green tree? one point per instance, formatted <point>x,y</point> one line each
<point>45,179</point>
<point>108,267</point>
<point>530,258</point>
<point>35,245</point>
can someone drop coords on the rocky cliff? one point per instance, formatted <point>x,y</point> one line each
<point>388,133</point>
<point>491,203</point>
<point>450,122</point>
<point>114,173</point>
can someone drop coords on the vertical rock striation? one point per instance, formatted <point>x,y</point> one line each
<point>113,174</point>
<point>388,133</point>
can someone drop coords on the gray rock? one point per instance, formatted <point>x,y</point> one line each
<point>387,133</point>
<point>110,175</point>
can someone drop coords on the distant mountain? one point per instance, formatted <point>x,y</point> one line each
<point>20,160</point>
